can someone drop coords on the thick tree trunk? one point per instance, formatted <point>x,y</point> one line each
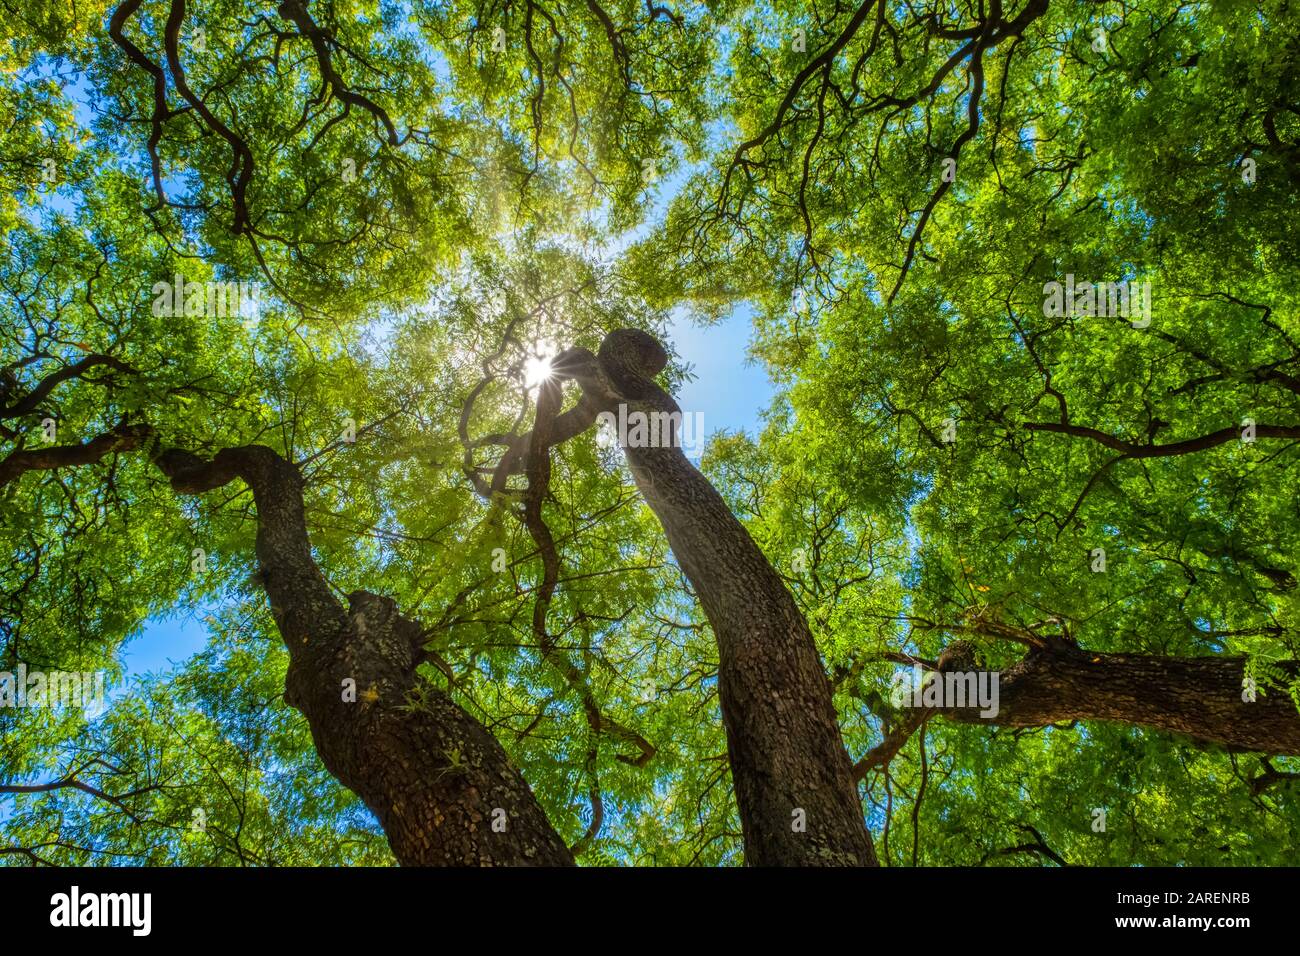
<point>787,757</point>
<point>442,787</point>
<point>794,785</point>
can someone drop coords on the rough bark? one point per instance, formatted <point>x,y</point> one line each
<point>783,736</point>
<point>435,777</point>
<point>1199,697</point>
<point>50,457</point>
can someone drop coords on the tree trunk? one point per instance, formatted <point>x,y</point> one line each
<point>793,779</point>
<point>443,788</point>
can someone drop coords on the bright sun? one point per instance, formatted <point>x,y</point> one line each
<point>537,369</point>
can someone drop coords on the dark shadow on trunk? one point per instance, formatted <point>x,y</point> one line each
<point>443,788</point>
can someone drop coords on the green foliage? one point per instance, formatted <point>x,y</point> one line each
<point>491,195</point>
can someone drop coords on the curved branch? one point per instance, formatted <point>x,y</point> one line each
<point>320,40</point>
<point>122,438</point>
<point>241,166</point>
<point>1185,447</point>
<point>32,400</point>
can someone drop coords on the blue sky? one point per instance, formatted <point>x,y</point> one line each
<point>730,391</point>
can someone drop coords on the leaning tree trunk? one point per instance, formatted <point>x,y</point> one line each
<point>443,788</point>
<point>794,784</point>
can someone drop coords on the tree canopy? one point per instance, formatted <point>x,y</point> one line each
<point>420,246</point>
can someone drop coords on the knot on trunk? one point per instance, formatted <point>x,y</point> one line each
<point>958,656</point>
<point>632,358</point>
<point>377,625</point>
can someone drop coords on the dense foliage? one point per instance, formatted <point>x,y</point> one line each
<point>430,197</point>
